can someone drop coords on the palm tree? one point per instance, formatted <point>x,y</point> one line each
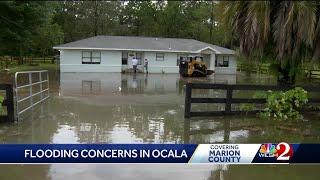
<point>291,28</point>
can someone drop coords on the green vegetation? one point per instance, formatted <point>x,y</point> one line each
<point>288,31</point>
<point>50,67</point>
<point>247,107</point>
<point>283,34</point>
<point>34,27</point>
<point>6,62</point>
<point>27,28</point>
<point>263,68</point>
<point>285,105</point>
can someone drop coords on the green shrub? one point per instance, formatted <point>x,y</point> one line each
<point>285,105</point>
<point>247,107</point>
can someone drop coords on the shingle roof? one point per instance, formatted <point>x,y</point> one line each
<point>143,44</point>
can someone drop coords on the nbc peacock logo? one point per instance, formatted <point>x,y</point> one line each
<point>282,151</point>
<point>268,150</point>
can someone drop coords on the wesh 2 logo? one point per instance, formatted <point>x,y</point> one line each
<point>282,151</point>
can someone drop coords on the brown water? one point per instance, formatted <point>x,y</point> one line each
<point>119,108</point>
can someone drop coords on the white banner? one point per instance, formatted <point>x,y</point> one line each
<point>225,153</point>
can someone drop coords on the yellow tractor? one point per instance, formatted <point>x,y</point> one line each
<point>193,66</point>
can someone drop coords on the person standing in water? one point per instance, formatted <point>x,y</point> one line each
<point>146,65</point>
<point>134,64</point>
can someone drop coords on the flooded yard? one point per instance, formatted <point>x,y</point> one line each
<point>125,108</point>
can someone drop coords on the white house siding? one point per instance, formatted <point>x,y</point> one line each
<point>111,61</point>
<point>168,65</point>
<point>232,69</point>
<point>71,61</point>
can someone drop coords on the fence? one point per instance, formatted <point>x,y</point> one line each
<point>261,68</point>
<point>9,61</point>
<point>41,81</point>
<point>313,74</point>
<point>229,100</point>
<point>8,102</point>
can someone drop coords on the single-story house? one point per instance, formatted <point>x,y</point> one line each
<point>114,54</point>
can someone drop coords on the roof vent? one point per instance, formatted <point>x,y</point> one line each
<point>156,38</point>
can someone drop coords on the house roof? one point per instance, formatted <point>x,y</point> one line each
<point>137,43</point>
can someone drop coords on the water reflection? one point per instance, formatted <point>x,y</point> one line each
<point>131,84</point>
<point>123,108</point>
<point>91,87</point>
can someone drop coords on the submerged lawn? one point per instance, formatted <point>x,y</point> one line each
<point>41,66</point>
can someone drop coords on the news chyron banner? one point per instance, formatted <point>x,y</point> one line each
<point>268,153</point>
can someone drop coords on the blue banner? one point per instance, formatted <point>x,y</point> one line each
<point>96,153</point>
<point>160,153</point>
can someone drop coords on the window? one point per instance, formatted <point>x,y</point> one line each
<point>124,58</point>
<point>91,57</point>
<point>159,57</point>
<point>139,58</point>
<point>225,61</point>
<point>181,57</point>
<point>222,61</point>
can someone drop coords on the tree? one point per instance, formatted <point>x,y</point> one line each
<point>82,19</point>
<point>19,21</point>
<point>139,17</point>
<point>47,34</point>
<point>291,33</point>
<point>26,28</point>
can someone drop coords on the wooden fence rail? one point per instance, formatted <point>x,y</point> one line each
<point>313,74</point>
<point>9,61</point>
<point>260,68</point>
<point>229,100</point>
<point>8,102</point>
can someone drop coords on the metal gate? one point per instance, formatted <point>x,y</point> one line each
<point>42,78</point>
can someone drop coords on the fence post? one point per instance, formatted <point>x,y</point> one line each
<point>229,98</point>
<point>10,104</point>
<point>186,133</point>
<point>226,131</point>
<point>187,103</point>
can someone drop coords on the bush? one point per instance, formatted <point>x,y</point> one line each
<point>285,105</point>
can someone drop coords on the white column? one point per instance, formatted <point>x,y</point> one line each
<point>212,61</point>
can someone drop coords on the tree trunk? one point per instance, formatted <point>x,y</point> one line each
<point>284,77</point>
<point>211,20</point>
<point>6,62</point>
<point>316,53</point>
<point>95,19</point>
<point>138,27</point>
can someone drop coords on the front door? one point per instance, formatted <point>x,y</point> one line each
<point>139,56</point>
<point>124,59</point>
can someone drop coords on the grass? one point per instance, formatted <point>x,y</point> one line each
<point>25,67</point>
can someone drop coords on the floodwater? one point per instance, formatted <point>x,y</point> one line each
<point>123,108</point>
